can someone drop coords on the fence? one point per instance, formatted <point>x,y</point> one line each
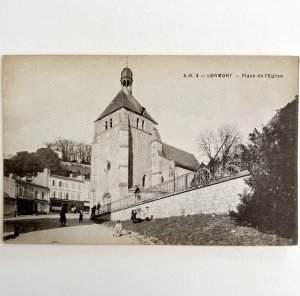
<point>179,184</point>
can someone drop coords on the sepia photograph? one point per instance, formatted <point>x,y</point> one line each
<point>150,150</point>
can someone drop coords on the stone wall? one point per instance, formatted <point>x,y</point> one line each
<point>218,198</point>
<point>105,152</point>
<point>140,150</point>
<point>9,187</point>
<point>10,206</point>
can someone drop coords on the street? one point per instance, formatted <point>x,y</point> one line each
<point>82,234</point>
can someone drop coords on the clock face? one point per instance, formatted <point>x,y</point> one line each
<point>108,135</point>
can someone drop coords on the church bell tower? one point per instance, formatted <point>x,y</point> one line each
<point>126,80</point>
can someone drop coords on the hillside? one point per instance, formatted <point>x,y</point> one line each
<point>201,230</point>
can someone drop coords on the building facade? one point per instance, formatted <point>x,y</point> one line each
<point>69,193</point>
<point>25,198</point>
<point>127,149</point>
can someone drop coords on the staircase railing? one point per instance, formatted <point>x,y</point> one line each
<point>176,185</point>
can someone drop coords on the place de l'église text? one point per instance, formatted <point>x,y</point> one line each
<point>231,75</point>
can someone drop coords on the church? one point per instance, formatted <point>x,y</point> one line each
<point>127,149</point>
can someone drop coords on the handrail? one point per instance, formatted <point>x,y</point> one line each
<point>182,183</point>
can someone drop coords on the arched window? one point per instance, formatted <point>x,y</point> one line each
<point>144,180</point>
<point>110,123</point>
<point>106,125</point>
<point>162,179</point>
<point>137,122</point>
<point>143,125</point>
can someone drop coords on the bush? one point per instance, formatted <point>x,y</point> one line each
<point>271,158</point>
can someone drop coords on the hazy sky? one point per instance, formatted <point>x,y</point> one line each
<point>46,97</point>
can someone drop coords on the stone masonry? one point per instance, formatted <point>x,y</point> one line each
<point>215,199</point>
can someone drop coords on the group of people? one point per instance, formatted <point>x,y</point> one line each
<point>96,209</point>
<point>139,215</point>
<point>63,217</point>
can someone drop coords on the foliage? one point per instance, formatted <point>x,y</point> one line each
<point>49,159</point>
<point>29,164</point>
<point>23,164</point>
<point>271,158</point>
<point>71,150</point>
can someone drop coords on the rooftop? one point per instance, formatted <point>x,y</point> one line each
<point>127,101</point>
<point>181,158</point>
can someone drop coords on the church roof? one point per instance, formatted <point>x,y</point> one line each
<point>181,158</point>
<point>127,101</point>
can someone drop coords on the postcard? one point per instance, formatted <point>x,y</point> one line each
<point>160,150</point>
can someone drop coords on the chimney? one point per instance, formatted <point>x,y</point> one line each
<point>71,175</point>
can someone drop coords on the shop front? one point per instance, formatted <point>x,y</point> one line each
<point>69,206</point>
<point>28,206</point>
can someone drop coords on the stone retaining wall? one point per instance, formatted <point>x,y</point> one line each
<point>218,199</point>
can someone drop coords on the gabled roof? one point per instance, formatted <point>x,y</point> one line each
<point>181,158</point>
<point>127,101</point>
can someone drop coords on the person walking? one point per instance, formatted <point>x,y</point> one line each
<point>63,218</point>
<point>93,212</point>
<point>137,192</point>
<point>80,216</point>
<point>98,207</point>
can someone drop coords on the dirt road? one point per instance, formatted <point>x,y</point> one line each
<point>87,234</point>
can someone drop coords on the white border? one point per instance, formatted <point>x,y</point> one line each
<point>254,27</point>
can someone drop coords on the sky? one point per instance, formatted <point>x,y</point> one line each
<point>46,97</point>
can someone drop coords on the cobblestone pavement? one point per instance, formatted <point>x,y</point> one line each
<point>88,234</point>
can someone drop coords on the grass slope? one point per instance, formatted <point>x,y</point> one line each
<point>201,230</point>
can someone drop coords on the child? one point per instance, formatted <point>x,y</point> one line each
<point>117,229</point>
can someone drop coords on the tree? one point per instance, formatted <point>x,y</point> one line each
<point>29,164</point>
<point>71,150</point>
<point>271,158</point>
<point>24,164</point>
<point>221,146</point>
<point>47,158</point>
